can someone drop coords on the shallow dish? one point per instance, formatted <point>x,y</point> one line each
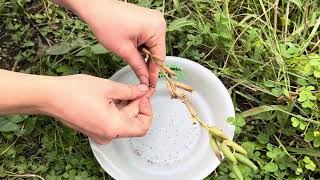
<point>173,148</point>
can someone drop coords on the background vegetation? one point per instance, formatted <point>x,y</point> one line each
<point>266,52</point>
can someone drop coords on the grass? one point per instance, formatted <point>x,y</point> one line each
<point>265,52</point>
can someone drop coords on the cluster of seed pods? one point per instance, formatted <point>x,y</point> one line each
<point>219,142</point>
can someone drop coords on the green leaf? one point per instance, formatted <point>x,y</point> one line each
<point>286,92</point>
<point>302,82</point>
<point>263,138</point>
<point>308,137</point>
<point>277,91</point>
<point>305,151</point>
<point>59,48</point>
<point>316,73</point>
<point>66,70</point>
<point>308,69</point>
<point>295,121</point>
<point>15,118</point>
<point>316,142</point>
<point>180,24</point>
<point>8,126</point>
<point>307,104</point>
<point>309,163</point>
<point>99,49</point>
<point>302,125</point>
<point>310,88</point>
<point>271,167</point>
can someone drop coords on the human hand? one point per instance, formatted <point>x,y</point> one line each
<point>86,104</point>
<point>122,28</point>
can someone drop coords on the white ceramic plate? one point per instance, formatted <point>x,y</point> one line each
<point>173,148</point>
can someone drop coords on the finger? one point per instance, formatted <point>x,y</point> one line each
<point>137,63</point>
<point>140,124</point>
<point>156,47</point>
<point>131,110</point>
<point>126,91</point>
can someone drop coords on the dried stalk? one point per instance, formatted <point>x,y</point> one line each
<point>220,143</point>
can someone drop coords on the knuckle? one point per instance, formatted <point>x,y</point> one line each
<point>123,51</point>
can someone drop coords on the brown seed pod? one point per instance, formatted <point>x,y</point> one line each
<point>168,70</point>
<point>183,86</point>
<point>171,91</point>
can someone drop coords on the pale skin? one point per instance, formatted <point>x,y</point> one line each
<point>94,106</point>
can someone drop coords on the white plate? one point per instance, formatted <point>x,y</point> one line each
<point>173,148</point>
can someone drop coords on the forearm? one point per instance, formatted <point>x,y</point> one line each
<point>24,93</point>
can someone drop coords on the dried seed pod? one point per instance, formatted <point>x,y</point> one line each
<point>179,94</point>
<point>215,148</point>
<point>183,86</point>
<point>227,152</point>
<point>246,161</point>
<point>235,146</point>
<point>236,171</point>
<point>217,133</point>
<point>190,108</point>
<point>168,70</point>
<point>169,87</point>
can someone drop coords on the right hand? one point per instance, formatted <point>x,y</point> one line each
<point>87,104</point>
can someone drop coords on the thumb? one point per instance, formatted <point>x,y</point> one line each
<point>127,91</point>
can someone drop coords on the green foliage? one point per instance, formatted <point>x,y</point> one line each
<point>271,70</point>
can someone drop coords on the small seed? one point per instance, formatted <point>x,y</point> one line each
<point>183,86</point>
<point>236,171</point>
<point>227,152</point>
<point>246,161</point>
<point>215,148</point>
<point>217,133</point>
<point>235,146</point>
<point>168,70</point>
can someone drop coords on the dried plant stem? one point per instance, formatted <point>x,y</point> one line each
<point>219,142</point>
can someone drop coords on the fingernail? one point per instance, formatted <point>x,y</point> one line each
<point>143,87</point>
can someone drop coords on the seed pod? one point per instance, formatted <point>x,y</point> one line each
<point>236,171</point>
<point>190,108</point>
<point>235,146</point>
<point>227,152</point>
<point>168,70</point>
<point>169,87</point>
<point>179,94</point>
<point>246,161</point>
<point>217,133</point>
<point>183,86</point>
<point>215,148</point>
